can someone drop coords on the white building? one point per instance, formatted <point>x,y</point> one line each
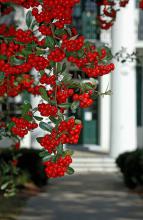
<point>115,123</point>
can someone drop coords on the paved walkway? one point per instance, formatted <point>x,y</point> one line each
<point>86,197</point>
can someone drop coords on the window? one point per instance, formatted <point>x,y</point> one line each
<point>85,18</point>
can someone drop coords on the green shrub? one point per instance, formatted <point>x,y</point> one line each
<point>28,162</point>
<point>131,166</point>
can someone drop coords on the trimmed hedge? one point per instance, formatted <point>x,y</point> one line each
<point>29,162</point>
<point>131,166</point>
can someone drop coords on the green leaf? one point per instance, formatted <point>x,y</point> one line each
<point>69,31</point>
<point>4,186</point>
<point>69,152</point>
<point>59,68</point>
<point>65,105</point>
<point>67,77</point>
<point>29,18</point>
<point>54,120</point>
<point>42,72</point>
<point>45,126</point>
<point>31,46</point>
<point>2,75</point>
<point>54,158</point>
<point>44,153</point>
<point>25,96</point>
<point>27,117</point>
<point>3,57</point>
<point>70,171</point>
<point>74,106</point>
<point>26,52</point>
<point>47,158</point>
<point>20,43</point>
<point>10,125</point>
<point>109,53</point>
<point>80,53</point>
<point>88,86</point>
<point>50,42</point>
<point>64,67</point>
<point>25,108</point>
<point>34,23</point>
<point>38,118</point>
<point>60,149</point>
<point>59,31</point>
<point>43,93</point>
<point>40,52</point>
<point>38,139</point>
<point>52,64</point>
<point>15,61</point>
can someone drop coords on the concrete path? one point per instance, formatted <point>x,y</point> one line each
<point>85,197</point>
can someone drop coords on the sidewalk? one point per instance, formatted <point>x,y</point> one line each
<point>87,197</point>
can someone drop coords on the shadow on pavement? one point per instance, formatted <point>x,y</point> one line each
<point>88,197</point>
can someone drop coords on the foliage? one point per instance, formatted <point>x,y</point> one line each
<point>46,48</point>
<point>131,166</point>
<point>20,167</point>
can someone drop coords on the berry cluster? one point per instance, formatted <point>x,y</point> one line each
<point>72,44</point>
<point>14,85</point>
<point>67,132</point>
<point>63,94</point>
<point>61,11</point>
<point>50,141</point>
<point>22,126</point>
<point>24,3</point>
<point>45,30</point>
<point>49,80</point>
<point>59,168</point>
<point>47,110</point>
<point>84,99</point>
<point>6,30</point>
<point>91,62</point>
<point>99,70</point>
<point>57,55</point>
<point>9,49</point>
<point>39,62</point>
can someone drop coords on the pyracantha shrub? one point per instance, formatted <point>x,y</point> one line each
<point>36,59</point>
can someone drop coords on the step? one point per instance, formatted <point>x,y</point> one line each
<point>95,169</point>
<point>94,159</point>
<point>96,164</point>
<point>101,170</point>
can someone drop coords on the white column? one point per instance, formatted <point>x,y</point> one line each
<point>105,102</point>
<point>123,103</point>
<point>105,109</point>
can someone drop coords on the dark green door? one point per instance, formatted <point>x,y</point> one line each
<point>90,125</point>
<point>89,132</point>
